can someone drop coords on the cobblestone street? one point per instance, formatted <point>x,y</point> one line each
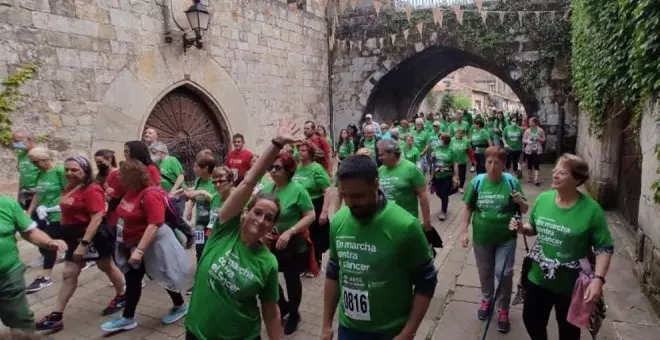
<point>452,314</point>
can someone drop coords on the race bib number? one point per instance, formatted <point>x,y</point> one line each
<point>212,220</point>
<point>91,253</point>
<point>356,304</point>
<point>120,230</point>
<point>199,236</point>
<point>235,173</point>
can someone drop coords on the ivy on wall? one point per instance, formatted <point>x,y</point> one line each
<point>615,59</point>
<point>495,41</point>
<point>10,97</point>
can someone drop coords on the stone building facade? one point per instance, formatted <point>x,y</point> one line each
<point>624,165</point>
<point>107,66</point>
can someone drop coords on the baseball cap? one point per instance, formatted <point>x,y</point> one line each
<point>368,116</point>
<point>436,123</point>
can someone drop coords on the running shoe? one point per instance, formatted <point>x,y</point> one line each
<point>503,323</point>
<point>51,322</point>
<point>119,324</point>
<point>484,310</point>
<point>38,284</point>
<point>175,314</point>
<point>115,305</point>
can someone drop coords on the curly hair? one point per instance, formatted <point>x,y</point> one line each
<point>311,149</point>
<point>135,175</point>
<point>288,164</point>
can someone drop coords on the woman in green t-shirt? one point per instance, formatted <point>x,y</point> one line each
<point>534,140</point>
<point>491,200</point>
<point>571,228</point>
<point>444,172</point>
<point>481,140</point>
<point>313,177</point>
<point>291,246</point>
<point>512,137</point>
<point>345,146</point>
<point>46,203</point>
<point>409,151</point>
<point>461,148</point>
<point>237,274</point>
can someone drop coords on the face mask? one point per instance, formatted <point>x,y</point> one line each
<point>19,145</point>
<point>155,158</point>
<point>103,168</point>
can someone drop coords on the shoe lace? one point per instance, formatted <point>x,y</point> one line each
<point>485,305</point>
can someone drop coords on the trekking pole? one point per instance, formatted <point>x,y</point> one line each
<point>497,291</point>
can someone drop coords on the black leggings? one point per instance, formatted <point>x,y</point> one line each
<point>481,162</point>
<point>536,313</point>
<point>442,188</point>
<point>134,278</point>
<point>50,256</point>
<point>533,161</point>
<point>291,265</point>
<point>462,171</point>
<point>320,234</point>
<point>512,160</point>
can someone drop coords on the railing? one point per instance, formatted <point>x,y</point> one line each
<point>421,4</point>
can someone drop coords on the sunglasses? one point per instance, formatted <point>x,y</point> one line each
<point>275,168</point>
<point>219,181</point>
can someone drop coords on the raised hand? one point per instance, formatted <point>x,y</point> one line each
<point>288,132</point>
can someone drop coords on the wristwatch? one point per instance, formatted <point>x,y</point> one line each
<point>84,243</point>
<point>600,278</point>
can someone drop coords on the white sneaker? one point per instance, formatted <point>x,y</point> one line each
<point>471,169</point>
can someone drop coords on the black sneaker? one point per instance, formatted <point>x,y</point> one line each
<point>38,284</point>
<point>291,325</point>
<point>51,322</point>
<point>115,305</point>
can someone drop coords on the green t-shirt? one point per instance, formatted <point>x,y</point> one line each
<point>313,178</point>
<point>49,188</point>
<point>492,211</point>
<point>412,154</point>
<point>400,184</point>
<point>294,202</point>
<point>27,171</point>
<point>566,235</point>
<point>229,279</point>
<point>216,204</point>
<point>403,132</point>
<point>170,169</point>
<point>428,125</point>
<point>12,219</point>
<point>329,140</point>
<point>513,135</point>
<point>371,144</point>
<point>346,149</point>
<point>460,148</point>
<point>463,124</point>
<point>480,140</point>
<point>434,141</point>
<point>444,162</point>
<point>421,138</point>
<point>202,205</point>
<point>263,181</point>
<point>376,259</point>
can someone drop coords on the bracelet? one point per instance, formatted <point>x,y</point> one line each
<point>277,144</point>
<point>600,278</point>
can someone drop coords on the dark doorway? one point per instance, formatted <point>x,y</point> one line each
<point>630,175</point>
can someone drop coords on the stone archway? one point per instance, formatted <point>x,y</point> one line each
<point>398,89</point>
<point>149,77</point>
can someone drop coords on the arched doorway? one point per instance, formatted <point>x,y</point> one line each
<point>188,124</point>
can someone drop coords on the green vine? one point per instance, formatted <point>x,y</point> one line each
<point>616,58</point>
<point>10,97</point>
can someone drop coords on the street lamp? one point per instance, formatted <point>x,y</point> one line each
<point>198,17</point>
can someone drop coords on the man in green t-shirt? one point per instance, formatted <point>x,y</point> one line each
<point>380,270</point>
<point>14,309</point>
<point>22,143</point>
<point>171,170</point>
<point>402,181</point>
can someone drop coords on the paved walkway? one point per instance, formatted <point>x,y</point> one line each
<point>452,314</point>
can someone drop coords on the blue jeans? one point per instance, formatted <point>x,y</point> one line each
<point>490,260</point>
<point>349,334</point>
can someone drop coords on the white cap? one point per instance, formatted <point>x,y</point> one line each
<point>368,116</point>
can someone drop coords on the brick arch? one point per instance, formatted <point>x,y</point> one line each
<point>398,87</point>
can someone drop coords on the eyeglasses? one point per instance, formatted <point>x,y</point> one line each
<point>275,168</point>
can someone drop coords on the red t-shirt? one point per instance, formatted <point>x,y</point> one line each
<point>78,205</point>
<point>113,186</point>
<point>154,172</point>
<point>136,211</point>
<point>322,144</point>
<point>239,162</point>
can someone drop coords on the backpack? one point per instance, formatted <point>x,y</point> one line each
<point>172,218</point>
<point>508,178</point>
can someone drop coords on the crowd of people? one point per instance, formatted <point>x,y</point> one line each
<point>255,216</point>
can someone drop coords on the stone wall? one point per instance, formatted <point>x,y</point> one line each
<point>104,64</point>
<point>603,156</point>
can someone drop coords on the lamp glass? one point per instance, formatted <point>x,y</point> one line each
<point>198,17</point>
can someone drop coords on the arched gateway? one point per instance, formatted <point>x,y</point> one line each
<point>187,124</point>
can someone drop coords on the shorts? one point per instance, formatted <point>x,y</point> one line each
<point>102,245</point>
